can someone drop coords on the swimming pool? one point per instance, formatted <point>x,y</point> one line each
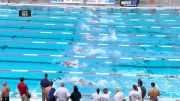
<point>112,47</point>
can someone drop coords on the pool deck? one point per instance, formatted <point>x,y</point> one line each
<point>163,99</point>
<point>16,99</point>
<point>143,3</point>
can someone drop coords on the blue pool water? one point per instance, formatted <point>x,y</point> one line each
<point>124,41</point>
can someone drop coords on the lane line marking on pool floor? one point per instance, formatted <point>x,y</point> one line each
<point>92,73</point>
<point>92,44</point>
<point>93,57</point>
<point>85,33</point>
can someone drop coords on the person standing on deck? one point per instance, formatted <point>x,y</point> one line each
<point>44,83</point>
<point>153,93</point>
<point>142,88</point>
<point>62,93</point>
<point>96,96</point>
<point>76,95</point>
<point>5,92</point>
<point>49,92</point>
<point>23,89</point>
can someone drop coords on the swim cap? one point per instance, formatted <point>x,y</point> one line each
<point>4,83</point>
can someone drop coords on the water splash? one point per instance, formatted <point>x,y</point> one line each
<point>85,27</point>
<point>113,34</point>
<point>111,37</point>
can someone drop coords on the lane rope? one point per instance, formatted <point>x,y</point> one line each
<point>92,73</point>
<point>102,26</point>
<point>95,57</point>
<point>83,33</point>
<point>93,44</point>
<point>119,19</point>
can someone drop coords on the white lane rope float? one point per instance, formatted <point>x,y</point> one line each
<point>93,44</point>
<point>84,33</point>
<point>91,73</point>
<point>94,57</point>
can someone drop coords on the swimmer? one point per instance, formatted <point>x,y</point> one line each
<point>84,82</point>
<point>111,37</point>
<point>89,37</point>
<point>73,64</point>
<point>78,50</point>
<point>80,81</point>
<point>95,51</point>
<point>92,21</point>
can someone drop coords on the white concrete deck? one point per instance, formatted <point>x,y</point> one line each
<point>143,3</point>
